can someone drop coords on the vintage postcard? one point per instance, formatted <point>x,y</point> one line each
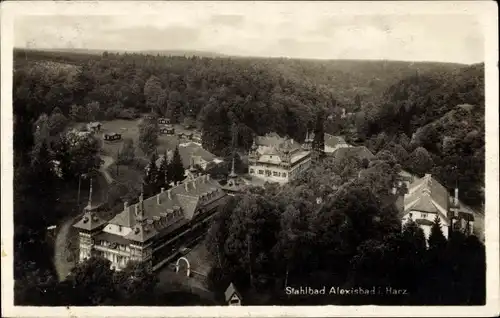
<point>201,159</point>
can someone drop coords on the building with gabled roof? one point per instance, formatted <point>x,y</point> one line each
<point>427,199</point>
<point>276,159</point>
<point>360,152</point>
<point>149,230</point>
<point>332,143</point>
<point>232,296</point>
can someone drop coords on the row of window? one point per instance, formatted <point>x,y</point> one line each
<point>422,215</point>
<point>269,173</point>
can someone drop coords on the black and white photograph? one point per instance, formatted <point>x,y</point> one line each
<point>224,155</point>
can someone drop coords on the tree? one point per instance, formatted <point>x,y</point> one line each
<point>154,94</point>
<point>136,285</point>
<point>151,178</point>
<point>436,238</point>
<point>420,161</point>
<point>77,113</point>
<point>176,168</point>
<point>93,111</point>
<point>90,283</point>
<point>318,143</point>
<point>127,152</point>
<point>57,123</point>
<point>163,180</point>
<point>148,136</point>
<point>174,106</point>
<point>80,153</point>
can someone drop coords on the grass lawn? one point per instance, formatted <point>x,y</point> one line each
<point>129,129</point>
<point>125,173</point>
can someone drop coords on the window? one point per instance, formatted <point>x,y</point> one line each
<point>424,215</point>
<point>276,174</point>
<point>251,171</point>
<point>261,171</point>
<point>283,175</point>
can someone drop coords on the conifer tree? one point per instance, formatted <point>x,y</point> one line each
<point>175,167</point>
<point>436,238</point>
<point>150,180</point>
<point>318,144</point>
<point>43,180</point>
<point>163,178</point>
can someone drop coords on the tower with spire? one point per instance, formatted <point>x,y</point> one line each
<point>308,141</point>
<point>89,225</point>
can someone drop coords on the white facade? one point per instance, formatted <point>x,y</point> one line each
<point>273,170</point>
<point>426,228</point>
<point>329,149</point>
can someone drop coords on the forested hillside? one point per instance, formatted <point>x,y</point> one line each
<point>428,116</point>
<point>438,118</point>
<point>392,100</point>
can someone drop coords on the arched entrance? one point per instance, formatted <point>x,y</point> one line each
<point>180,267</point>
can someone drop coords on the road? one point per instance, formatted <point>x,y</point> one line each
<point>63,266</point>
<point>61,252</point>
<point>108,161</point>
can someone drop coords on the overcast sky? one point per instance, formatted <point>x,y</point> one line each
<point>295,34</point>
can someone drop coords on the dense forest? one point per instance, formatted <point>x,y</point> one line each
<point>428,116</point>
<point>351,237</point>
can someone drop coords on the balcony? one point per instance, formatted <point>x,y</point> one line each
<point>110,250</point>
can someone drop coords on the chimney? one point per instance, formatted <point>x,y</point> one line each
<point>158,198</point>
<point>162,190</point>
<point>455,200</point>
<point>169,194</point>
<point>125,206</point>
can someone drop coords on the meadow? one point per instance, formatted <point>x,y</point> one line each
<point>129,129</point>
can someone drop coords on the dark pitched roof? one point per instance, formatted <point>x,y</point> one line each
<point>360,152</point>
<point>90,220</point>
<point>194,150</point>
<point>436,192</point>
<point>153,215</point>
<point>230,291</point>
<point>126,218</point>
<point>333,141</point>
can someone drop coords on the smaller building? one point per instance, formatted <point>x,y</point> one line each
<point>232,296</point>
<point>112,136</point>
<point>94,127</point>
<point>332,143</point>
<point>167,130</point>
<point>360,152</point>
<point>164,121</point>
<point>192,154</point>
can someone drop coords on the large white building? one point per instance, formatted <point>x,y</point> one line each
<point>276,159</point>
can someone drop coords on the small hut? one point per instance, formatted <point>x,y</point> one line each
<point>94,127</point>
<point>112,136</point>
<point>232,296</point>
<point>168,130</point>
<point>164,121</point>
